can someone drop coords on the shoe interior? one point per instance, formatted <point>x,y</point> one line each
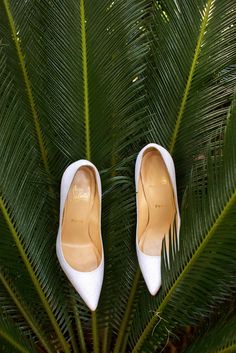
<point>81,243</point>
<point>156,203</point>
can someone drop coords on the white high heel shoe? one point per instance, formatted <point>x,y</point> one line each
<point>157,209</point>
<point>79,242</point>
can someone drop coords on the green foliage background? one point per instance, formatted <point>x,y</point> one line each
<point>99,79</point>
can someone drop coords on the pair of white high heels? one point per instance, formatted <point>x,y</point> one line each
<point>79,241</point>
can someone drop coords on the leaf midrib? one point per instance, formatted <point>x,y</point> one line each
<point>85,80</point>
<point>123,326</point>
<point>32,275</point>
<point>187,267</point>
<point>189,81</point>
<point>13,343</point>
<point>28,86</point>
<point>190,77</point>
<point>25,314</point>
<point>229,349</point>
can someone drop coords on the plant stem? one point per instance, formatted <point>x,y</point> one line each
<point>28,318</point>
<point>12,342</point>
<point>28,85</point>
<point>80,331</point>
<point>230,203</point>
<point>85,80</point>
<point>32,274</point>
<point>123,326</point>
<point>73,340</point>
<point>229,349</point>
<point>190,77</point>
<point>95,333</point>
<point>105,340</point>
<point>125,340</point>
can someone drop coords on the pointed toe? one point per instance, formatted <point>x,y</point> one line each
<point>151,270</point>
<point>92,303</point>
<point>89,285</point>
<point>153,283</point>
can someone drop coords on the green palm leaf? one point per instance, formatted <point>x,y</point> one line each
<point>24,312</point>
<point>219,339</point>
<point>192,77</point>
<point>51,100</point>
<point>25,224</point>
<point>189,287</point>
<point>12,338</point>
<point>189,93</point>
<point>98,80</point>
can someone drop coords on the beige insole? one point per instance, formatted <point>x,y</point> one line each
<point>156,203</point>
<point>81,244</point>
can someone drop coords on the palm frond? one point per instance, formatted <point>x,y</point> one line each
<point>13,31</point>
<point>189,88</point>
<point>219,339</point>
<point>12,337</point>
<point>191,112</point>
<point>29,319</point>
<point>104,91</point>
<point>191,77</point>
<point>20,184</point>
<point>97,80</point>
<point>207,239</point>
<point>69,102</point>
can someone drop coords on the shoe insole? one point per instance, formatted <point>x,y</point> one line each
<point>156,204</point>
<point>81,244</point>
